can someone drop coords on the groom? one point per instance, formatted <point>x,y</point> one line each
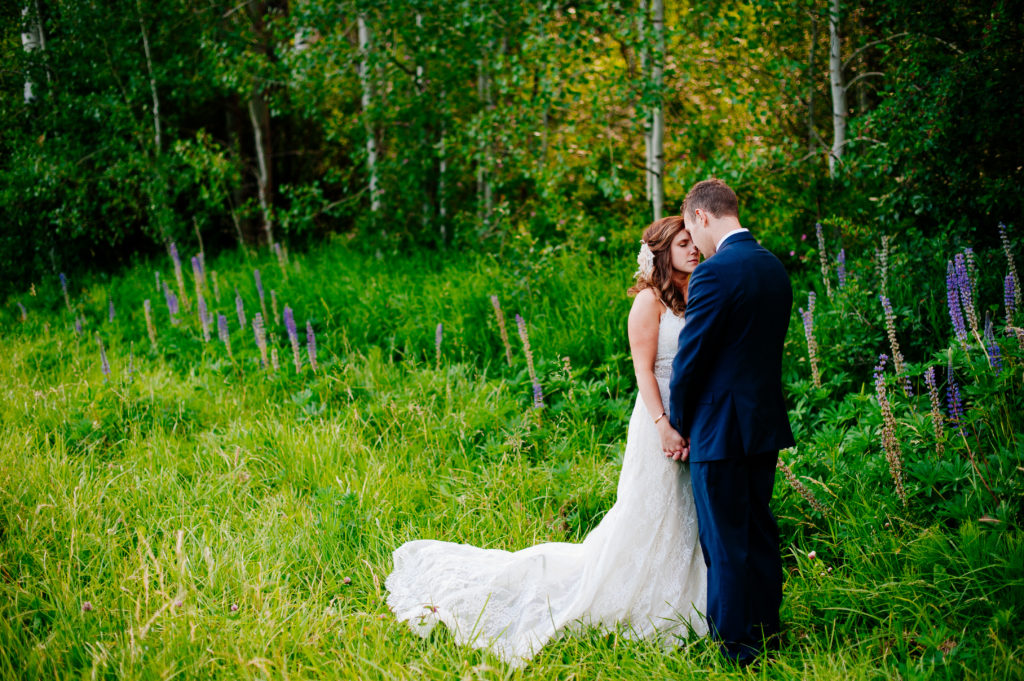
<point>726,402</point>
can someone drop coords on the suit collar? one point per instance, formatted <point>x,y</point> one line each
<point>736,238</point>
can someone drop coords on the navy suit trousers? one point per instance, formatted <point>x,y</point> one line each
<point>740,541</point>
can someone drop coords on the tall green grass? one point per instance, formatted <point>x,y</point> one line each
<point>225,520</point>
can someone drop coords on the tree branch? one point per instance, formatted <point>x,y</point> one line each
<point>853,80</point>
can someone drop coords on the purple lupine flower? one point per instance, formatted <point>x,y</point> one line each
<point>1009,301</point>
<point>64,288</point>
<point>222,330</point>
<point>150,329</point>
<point>953,402</point>
<point>953,302</point>
<point>890,443</point>
<point>24,312</point>
<point>197,276</point>
<point>1005,240</point>
<point>538,397</point>
<point>204,318</point>
<point>260,332</point>
<point>311,345</point>
<point>259,290</point>
<point>293,336</point>
<point>110,310</point>
<point>178,276</point>
<point>936,411</point>
<point>897,356</point>
<point>966,290</point>
<point>240,309</point>
<point>78,325</point>
<point>501,327</point>
<point>812,344</point>
<point>438,336</point>
<point>841,269</point>
<point>157,276</point>
<point>995,359</point>
<point>104,364</point>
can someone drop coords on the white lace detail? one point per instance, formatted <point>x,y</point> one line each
<point>640,568</point>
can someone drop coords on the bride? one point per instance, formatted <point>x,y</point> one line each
<point>641,568</point>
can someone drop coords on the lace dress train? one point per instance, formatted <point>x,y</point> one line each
<point>641,567</point>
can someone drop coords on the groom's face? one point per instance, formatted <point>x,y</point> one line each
<point>697,225</point>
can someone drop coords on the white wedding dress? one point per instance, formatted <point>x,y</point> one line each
<point>641,568</point>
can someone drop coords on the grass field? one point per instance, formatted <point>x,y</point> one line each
<point>194,514</point>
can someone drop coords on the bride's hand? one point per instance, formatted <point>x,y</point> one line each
<point>672,443</point>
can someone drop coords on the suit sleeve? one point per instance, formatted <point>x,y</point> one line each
<point>698,344</point>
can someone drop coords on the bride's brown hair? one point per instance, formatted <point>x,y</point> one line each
<point>668,284</point>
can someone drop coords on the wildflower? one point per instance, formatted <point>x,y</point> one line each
<point>1005,240</point>
<point>86,606</point>
<point>1009,301</point>
<point>259,290</point>
<point>78,325</point>
<point>24,312</point>
<point>197,275</point>
<point>234,607</point>
<point>172,303</point>
<point>240,309</point>
<point>992,348</point>
<point>890,443</point>
<point>150,329</point>
<point>966,291</point>
<point>801,488</point>
<point>293,336</point>
<point>823,259</point>
<point>178,603</point>
<point>204,318</point>
<point>311,345</point>
<point>567,370</point>
<point>538,397</point>
<point>936,413</point>
<point>882,256</point>
<point>841,268</point>
<point>222,330</point>
<point>897,356</point>
<point>273,306</point>
<point>110,310</point>
<point>438,335</point>
<point>953,302</point>
<point>104,364</point>
<point>501,327</point>
<point>64,288</point>
<point>812,344</point>
<point>812,555</point>
<point>274,363</point>
<point>261,338</point>
<point>953,402</point>
<point>178,276</point>
<point>346,581</point>
<point>157,276</point>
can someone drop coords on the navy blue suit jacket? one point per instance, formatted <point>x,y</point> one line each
<point>726,388</point>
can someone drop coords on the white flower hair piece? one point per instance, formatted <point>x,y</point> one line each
<point>645,260</point>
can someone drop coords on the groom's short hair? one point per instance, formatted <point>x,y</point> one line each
<point>713,196</point>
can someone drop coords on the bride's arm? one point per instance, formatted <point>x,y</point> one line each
<point>644,320</point>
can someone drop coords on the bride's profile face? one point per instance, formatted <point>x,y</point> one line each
<point>685,255</point>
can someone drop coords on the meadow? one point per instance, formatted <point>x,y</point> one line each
<point>179,498</point>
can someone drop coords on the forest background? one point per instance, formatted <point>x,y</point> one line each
<point>424,216</point>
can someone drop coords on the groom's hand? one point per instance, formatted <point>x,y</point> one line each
<point>683,453</point>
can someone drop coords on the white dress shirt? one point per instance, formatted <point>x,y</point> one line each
<point>718,246</point>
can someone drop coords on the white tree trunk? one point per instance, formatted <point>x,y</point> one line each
<point>31,39</point>
<point>657,152</point>
<point>365,45</point>
<point>157,136</point>
<point>485,201</point>
<point>259,115</point>
<point>648,128</point>
<point>835,69</point>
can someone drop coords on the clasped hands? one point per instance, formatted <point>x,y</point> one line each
<point>675,446</point>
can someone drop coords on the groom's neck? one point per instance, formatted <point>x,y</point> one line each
<point>719,227</point>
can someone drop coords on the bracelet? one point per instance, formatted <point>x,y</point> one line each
<point>663,415</point>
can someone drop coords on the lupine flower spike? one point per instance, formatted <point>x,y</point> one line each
<point>953,402</point>
<point>104,364</point>
<point>110,310</point>
<point>966,291</point>
<point>823,259</point>
<point>260,333</point>
<point>172,304</point>
<point>64,288</point>
<point>275,364</point>
<point>1005,240</point>
<point>222,331</point>
<point>956,314</point>
<point>801,488</point>
<point>883,266</point>
<point>897,356</point>
<point>24,312</point>
<point>438,336</point>
<point>293,336</point>
<point>501,327</point>
<point>995,359</point>
<point>538,396</point>
<point>178,276</point>
<point>890,443</point>
<point>150,329</point>
<point>841,267</point>
<point>259,290</point>
<point>197,276</point>
<point>936,412</point>
<point>812,344</point>
<point>78,325</point>
<point>1009,301</point>
<point>204,317</point>
<point>311,345</point>
<point>240,309</point>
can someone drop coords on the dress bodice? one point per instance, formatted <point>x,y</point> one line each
<point>668,342</point>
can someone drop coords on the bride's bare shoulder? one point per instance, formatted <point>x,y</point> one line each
<point>646,305</point>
